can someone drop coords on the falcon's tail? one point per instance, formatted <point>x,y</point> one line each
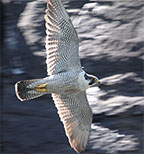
<point>30,89</point>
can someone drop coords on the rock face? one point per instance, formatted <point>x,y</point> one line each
<point>111,47</point>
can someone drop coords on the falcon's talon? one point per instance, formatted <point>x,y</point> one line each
<point>42,87</point>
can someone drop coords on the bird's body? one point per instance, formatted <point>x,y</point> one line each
<point>66,80</point>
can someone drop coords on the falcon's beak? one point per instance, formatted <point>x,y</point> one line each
<point>97,81</point>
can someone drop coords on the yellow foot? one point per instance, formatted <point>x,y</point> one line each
<point>42,87</point>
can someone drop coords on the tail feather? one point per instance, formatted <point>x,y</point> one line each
<point>26,90</point>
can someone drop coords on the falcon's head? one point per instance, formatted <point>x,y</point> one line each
<point>92,80</point>
<point>86,81</point>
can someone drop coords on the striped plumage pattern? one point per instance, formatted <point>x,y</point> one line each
<point>66,80</point>
<point>76,116</point>
<point>61,41</point>
<point>62,56</point>
<point>25,91</point>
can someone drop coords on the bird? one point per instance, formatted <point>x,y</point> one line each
<point>66,80</point>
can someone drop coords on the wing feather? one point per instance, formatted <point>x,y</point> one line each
<point>76,116</point>
<point>61,41</point>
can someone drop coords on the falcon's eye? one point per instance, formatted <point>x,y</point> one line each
<point>93,81</point>
<point>90,79</point>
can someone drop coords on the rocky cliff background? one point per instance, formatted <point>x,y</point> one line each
<point>111,47</point>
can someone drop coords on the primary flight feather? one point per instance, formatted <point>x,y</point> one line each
<point>66,79</point>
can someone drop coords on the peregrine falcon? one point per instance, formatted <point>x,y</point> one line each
<point>66,80</point>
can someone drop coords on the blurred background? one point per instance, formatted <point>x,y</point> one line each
<point>111,47</point>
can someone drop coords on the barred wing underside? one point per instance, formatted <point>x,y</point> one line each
<point>61,41</point>
<point>76,115</point>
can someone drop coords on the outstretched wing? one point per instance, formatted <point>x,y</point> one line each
<point>61,41</point>
<point>76,115</point>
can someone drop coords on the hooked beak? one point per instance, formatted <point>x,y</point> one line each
<point>97,82</point>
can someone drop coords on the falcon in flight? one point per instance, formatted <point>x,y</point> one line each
<point>66,80</point>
